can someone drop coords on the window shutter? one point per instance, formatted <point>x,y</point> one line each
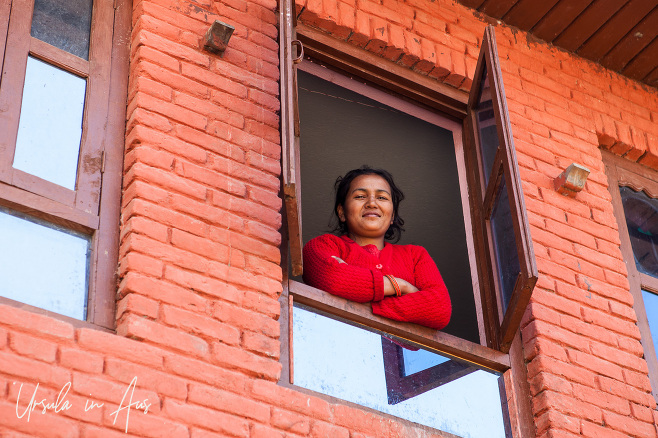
<point>509,258</point>
<point>290,131</point>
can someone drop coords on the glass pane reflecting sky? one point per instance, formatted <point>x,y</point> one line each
<point>50,126</point>
<point>42,266</point>
<point>347,362</point>
<point>651,307</point>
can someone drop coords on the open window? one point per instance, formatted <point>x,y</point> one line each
<point>634,191</point>
<point>343,107</point>
<point>62,114</point>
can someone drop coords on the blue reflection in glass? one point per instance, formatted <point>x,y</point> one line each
<point>348,362</point>
<point>507,257</point>
<point>651,307</point>
<point>485,118</point>
<point>641,213</point>
<point>419,360</point>
<point>50,126</point>
<point>42,265</point>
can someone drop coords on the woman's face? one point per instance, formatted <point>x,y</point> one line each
<point>368,208</point>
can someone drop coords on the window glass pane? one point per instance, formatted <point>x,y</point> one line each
<point>419,360</point>
<point>486,126</point>
<point>64,24</point>
<point>651,307</point>
<point>641,213</point>
<point>360,366</point>
<point>504,240</point>
<point>50,126</point>
<point>42,265</point>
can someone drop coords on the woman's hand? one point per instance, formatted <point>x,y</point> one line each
<point>405,287</point>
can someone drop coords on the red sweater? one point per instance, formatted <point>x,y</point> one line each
<point>361,278</point>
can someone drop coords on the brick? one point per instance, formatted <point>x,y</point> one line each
<point>139,262</point>
<point>239,359</point>
<point>44,326</point>
<point>146,425</point>
<point>56,425</point>
<point>148,378</point>
<point>290,422</point>
<point>320,430</point>
<point>261,344</point>
<point>179,146</point>
<point>151,87</point>
<point>201,325</point>
<point>567,405</point>
<point>625,391</point>
<point>33,370</point>
<point>290,399</point>
<point>571,372</point>
<point>206,373</point>
<point>163,291</point>
<point>168,253</point>
<point>79,360</point>
<point>142,329</point>
<point>146,226</point>
<point>210,109</point>
<point>249,320</point>
<point>32,347</point>
<point>127,349</point>
<point>167,180</point>
<point>544,381</point>
<point>231,403</point>
<point>207,418</point>
<point>629,426</point>
<point>261,431</point>
<point>591,430</point>
<point>201,283</point>
<point>199,245</point>
<point>638,380</point>
<point>615,324</point>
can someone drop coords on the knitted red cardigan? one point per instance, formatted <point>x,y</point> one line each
<point>361,278</point>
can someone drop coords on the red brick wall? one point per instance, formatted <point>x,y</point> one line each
<point>199,259</point>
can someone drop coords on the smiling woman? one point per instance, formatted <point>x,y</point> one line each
<point>402,281</point>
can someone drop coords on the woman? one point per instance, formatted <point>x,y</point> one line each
<point>401,281</point>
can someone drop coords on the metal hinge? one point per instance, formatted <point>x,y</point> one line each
<point>103,162</point>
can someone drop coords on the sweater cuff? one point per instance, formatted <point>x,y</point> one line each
<point>378,282</point>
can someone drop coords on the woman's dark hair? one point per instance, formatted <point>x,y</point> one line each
<point>342,187</point>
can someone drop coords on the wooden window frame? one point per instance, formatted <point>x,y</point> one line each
<point>501,325</point>
<point>93,208</point>
<point>453,104</point>
<point>624,173</point>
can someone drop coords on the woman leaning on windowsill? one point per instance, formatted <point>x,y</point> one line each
<point>402,281</point>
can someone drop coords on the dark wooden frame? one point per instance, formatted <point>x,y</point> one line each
<point>502,325</point>
<point>624,173</point>
<point>93,207</point>
<point>401,387</point>
<point>452,104</point>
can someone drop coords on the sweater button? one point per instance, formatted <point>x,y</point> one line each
<point>378,266</point>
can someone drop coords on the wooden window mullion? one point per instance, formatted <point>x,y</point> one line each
<point>290,134</point>
<point>16,51</point>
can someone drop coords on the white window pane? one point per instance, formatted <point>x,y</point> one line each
<point>347,362</point>
<point>43,266</point>
<point>50,126</point>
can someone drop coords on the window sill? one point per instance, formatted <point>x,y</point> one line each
<point>361,314</point>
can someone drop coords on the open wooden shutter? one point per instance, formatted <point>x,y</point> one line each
<point>290,130</point>
<point>509,258</point>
